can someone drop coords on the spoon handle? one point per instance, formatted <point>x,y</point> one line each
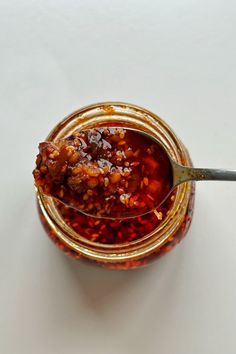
<point>184,174</point>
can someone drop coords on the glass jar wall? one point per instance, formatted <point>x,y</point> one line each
<point>120,244</point>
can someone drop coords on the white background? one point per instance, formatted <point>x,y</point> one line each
<point>176,58</point>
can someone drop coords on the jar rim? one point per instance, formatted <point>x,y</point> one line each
<point>85,116</point>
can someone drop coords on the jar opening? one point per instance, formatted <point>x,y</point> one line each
<point>125,115</point>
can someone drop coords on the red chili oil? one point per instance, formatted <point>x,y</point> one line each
<point>69,218</point>
<point>108,231</point>
<point>75,170</point>
<point>119,244</point>
<point>106,172</point>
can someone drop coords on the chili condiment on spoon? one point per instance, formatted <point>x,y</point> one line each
<point>113,172</point>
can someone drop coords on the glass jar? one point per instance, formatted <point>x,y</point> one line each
<point>154,243</point>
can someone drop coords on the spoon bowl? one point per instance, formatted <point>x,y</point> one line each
<point>114,172</point>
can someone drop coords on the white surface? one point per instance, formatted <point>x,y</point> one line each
<point>176,58</point>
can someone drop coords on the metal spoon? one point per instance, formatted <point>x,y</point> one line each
<point>179,174</point>
<point>183,174</point>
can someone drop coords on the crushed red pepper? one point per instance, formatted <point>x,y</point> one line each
<point>108,231</point>
<point>107,172</point>
<point>70,217</point>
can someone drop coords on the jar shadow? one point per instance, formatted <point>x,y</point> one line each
<point>102,289</point>
<point>85,296</point>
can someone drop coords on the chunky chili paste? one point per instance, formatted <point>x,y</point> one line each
<point>105,172</point>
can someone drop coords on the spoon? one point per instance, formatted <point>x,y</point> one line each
<point>153,185</point>
<point>182,174</point>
